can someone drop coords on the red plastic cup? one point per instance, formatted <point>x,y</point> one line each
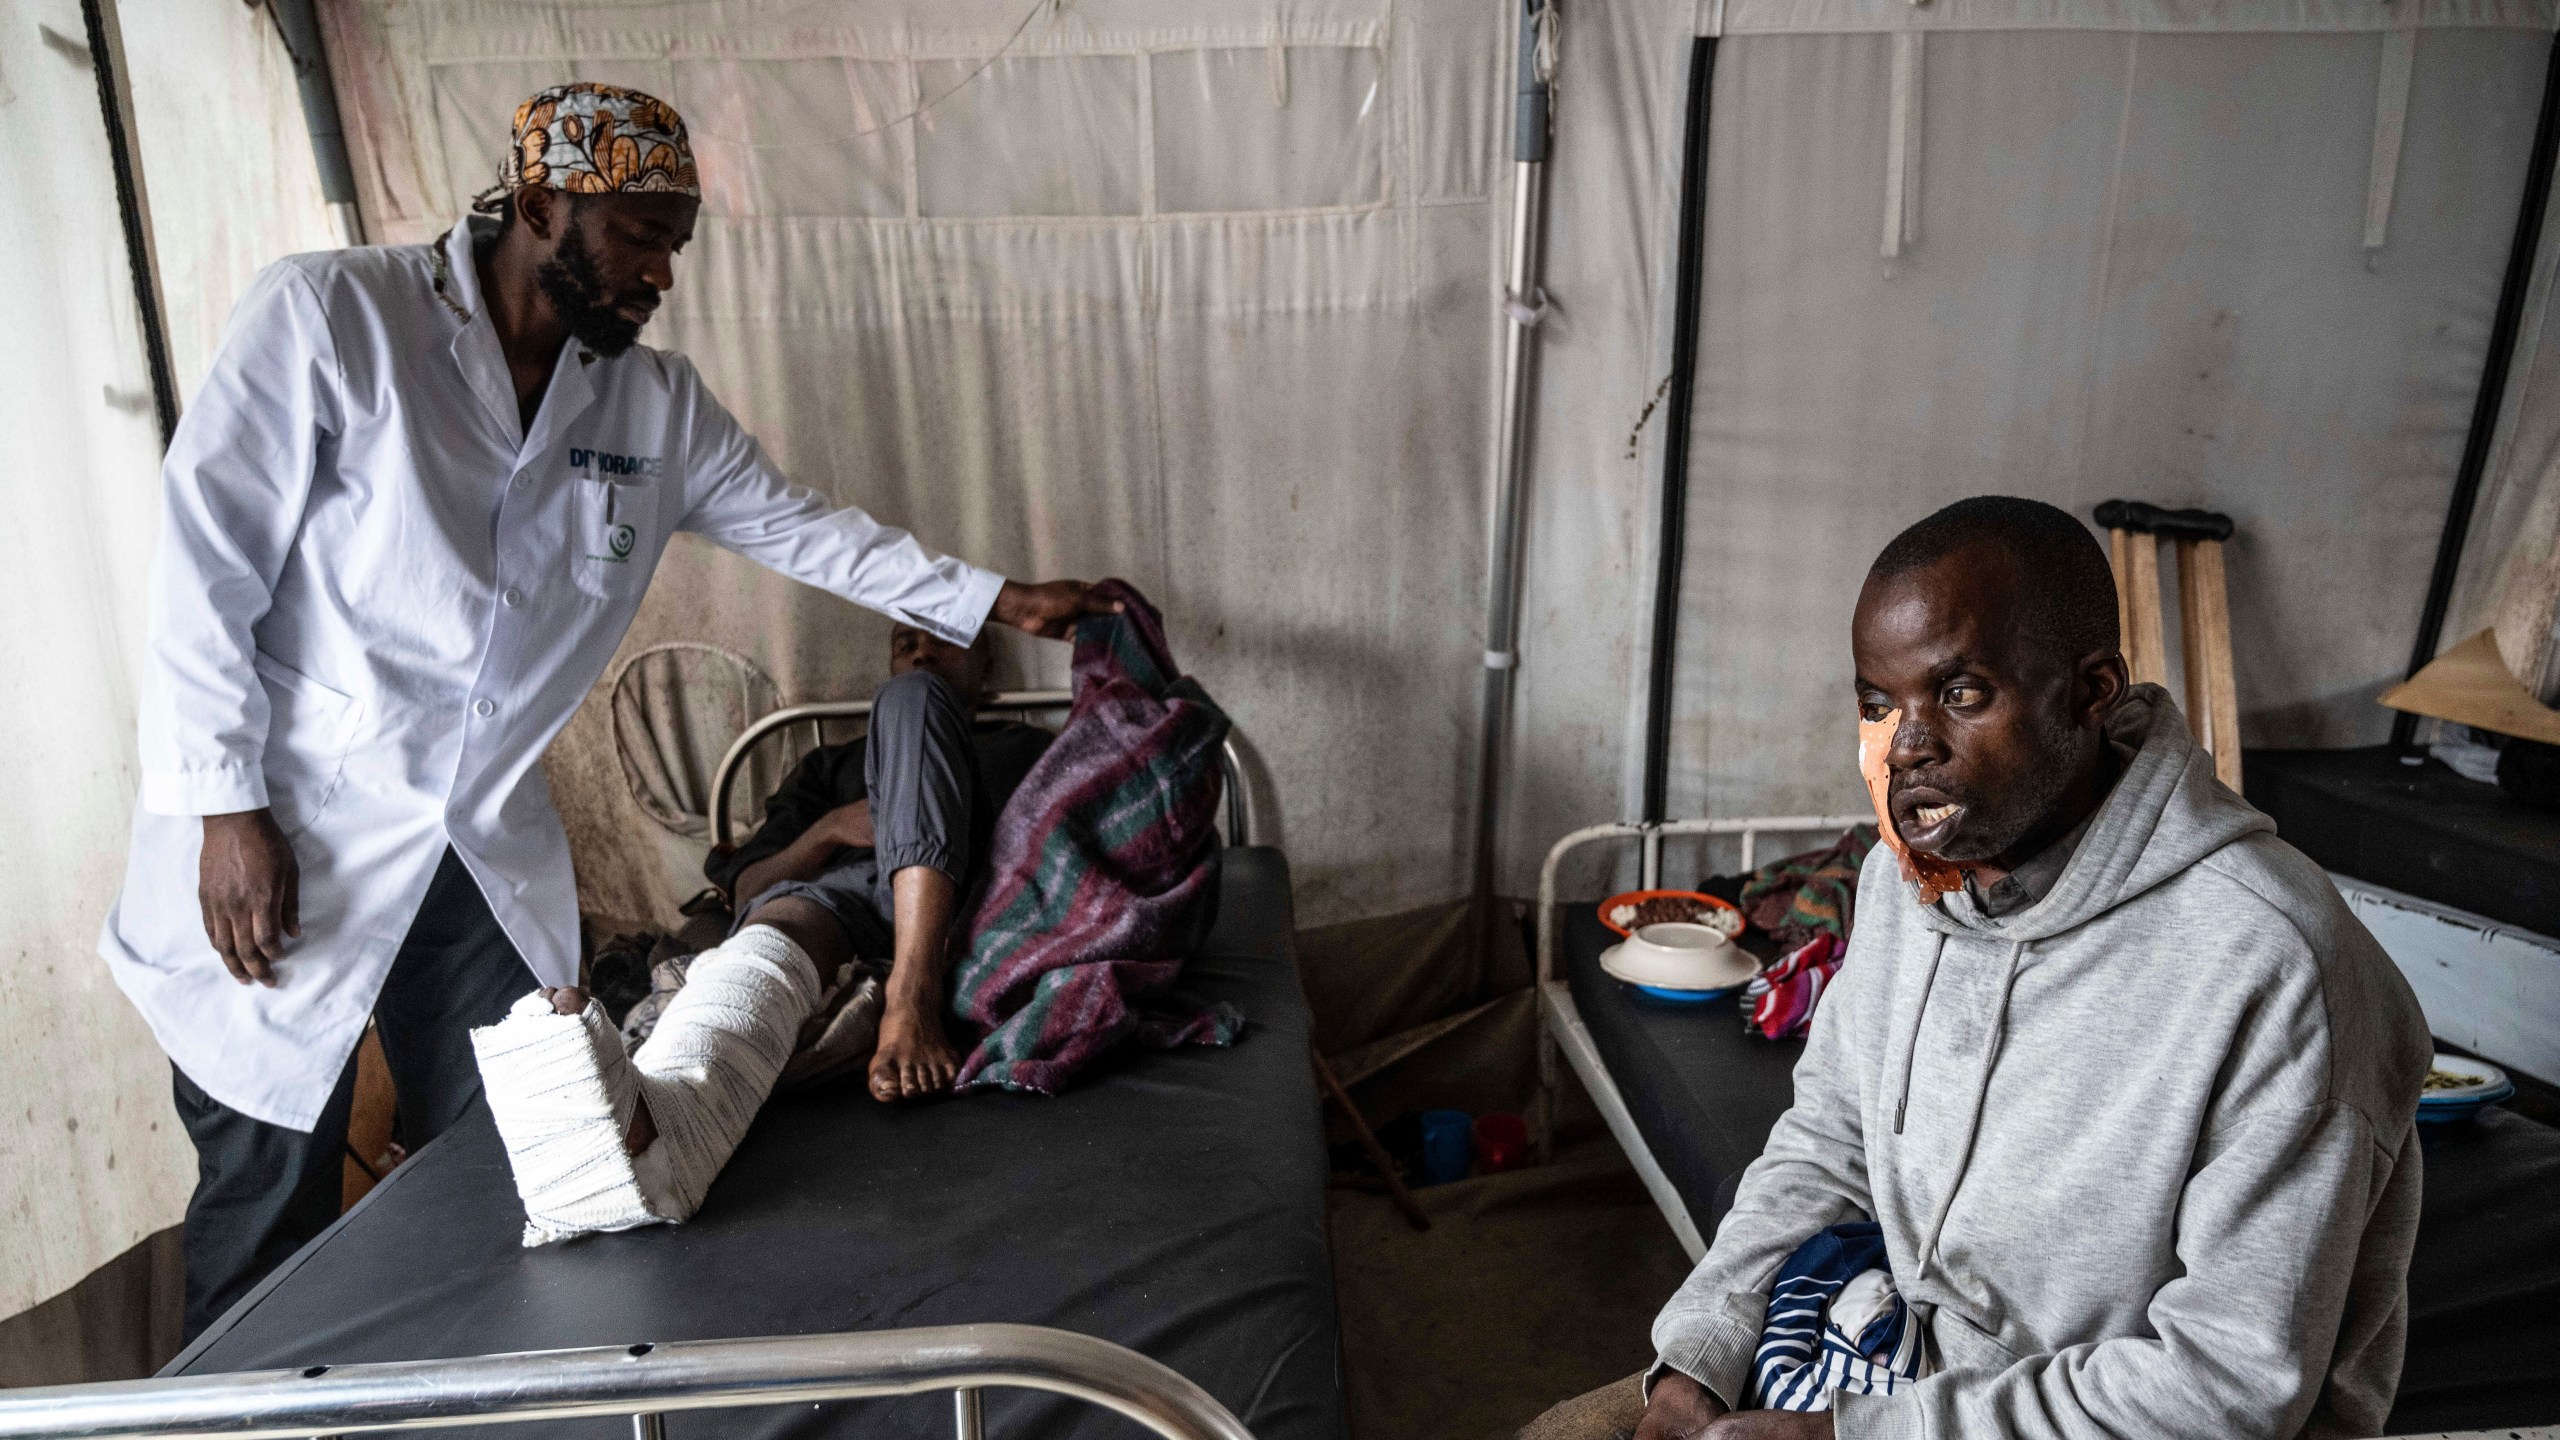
<point>1502,1143</point>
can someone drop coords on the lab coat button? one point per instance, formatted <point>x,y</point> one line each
<point>513,597</point>
<point>484,708</point>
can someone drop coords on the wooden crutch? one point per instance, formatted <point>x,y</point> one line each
<point>2134,531</point>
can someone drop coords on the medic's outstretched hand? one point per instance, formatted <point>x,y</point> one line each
<point>249,885</point>
<point>1051,608</point>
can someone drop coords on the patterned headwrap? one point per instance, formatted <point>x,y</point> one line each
<point>592,139</point>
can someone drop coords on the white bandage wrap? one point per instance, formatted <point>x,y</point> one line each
<point>711,1062</point>
<point>562,1090</point>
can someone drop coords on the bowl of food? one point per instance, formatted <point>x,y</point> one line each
<point>1690,961</point>
<point>2457,1087</point>
<point>1638,908</point>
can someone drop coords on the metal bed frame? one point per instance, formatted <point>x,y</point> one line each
<point>816,714</point>
<point>1561,1028</point>
<point>642,1381</point>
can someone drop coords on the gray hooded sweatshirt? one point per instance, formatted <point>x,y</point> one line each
<point>2144,1152</point>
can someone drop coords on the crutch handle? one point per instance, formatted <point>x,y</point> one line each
<point>2143,519</point>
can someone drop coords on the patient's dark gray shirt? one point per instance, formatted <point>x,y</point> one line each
<point>2030,882</point>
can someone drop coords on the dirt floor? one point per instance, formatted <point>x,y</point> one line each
<point>1529,1287</point>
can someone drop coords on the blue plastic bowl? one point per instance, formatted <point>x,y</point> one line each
<point>1664,995</point>
<point>2445,1112</point>
<point>2445,1107</point>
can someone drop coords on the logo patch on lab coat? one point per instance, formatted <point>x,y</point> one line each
<point>607,465</point>
<point>614,540</point>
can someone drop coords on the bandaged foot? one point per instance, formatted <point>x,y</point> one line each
<point>565,1095</point>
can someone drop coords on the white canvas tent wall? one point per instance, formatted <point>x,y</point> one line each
<point>1198,296</point>
<point>92,1165</point>
<point>1205,295</point>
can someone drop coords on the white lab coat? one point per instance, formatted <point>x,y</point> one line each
<point>376,601</point>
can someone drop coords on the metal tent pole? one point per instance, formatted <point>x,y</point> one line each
<point>1522,303</point>
<point>135,222</point>
<point>299,26</point>
<point>1686,284</point>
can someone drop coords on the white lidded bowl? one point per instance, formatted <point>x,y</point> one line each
<point>1679,956</point>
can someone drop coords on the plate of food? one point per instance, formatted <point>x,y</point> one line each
<point>1636,909</point>
<point>2457,1086</point>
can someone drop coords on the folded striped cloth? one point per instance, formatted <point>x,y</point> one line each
<point>1836,1323</point>
<point>1779,1001</point>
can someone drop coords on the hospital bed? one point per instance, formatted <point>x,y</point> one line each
<point>1172,1203</point>
<point>1691,1099</point>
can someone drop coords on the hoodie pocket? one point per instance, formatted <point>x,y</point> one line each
<point>1964,1345</point>
<point>310,728</point>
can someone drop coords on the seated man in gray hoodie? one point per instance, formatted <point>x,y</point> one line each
<point>2131,1096</point>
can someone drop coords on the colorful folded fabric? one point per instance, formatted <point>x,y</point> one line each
<point>1779,1001</point>
<point>1102,870</point>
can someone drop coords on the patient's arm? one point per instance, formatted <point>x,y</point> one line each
<point>844,827</point>
<point>1811,1174</point>
<point>1679,1409</point>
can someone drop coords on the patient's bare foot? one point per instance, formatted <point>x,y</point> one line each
<point>914,1060</point>
<point>570,1000</point>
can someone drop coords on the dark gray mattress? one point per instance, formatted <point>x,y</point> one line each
<point>1703,1092</point>
<point>2484,1283</point>
<point>1173,1203</point>
<point>2420,829</point>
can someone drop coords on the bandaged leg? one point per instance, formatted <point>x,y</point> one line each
<point>564,1095</point>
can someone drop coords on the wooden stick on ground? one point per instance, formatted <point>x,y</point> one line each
<point>1369,1145</point>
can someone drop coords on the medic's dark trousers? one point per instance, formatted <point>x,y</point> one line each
<point>263,1191</point>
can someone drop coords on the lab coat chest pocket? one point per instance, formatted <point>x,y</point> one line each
<point>310,728</point>
<point>612,524</point>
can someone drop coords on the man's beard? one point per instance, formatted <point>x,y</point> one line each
<point>1989,831</point>
<point>569,280</point>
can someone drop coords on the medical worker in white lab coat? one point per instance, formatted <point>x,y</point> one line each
<point>407,520</point>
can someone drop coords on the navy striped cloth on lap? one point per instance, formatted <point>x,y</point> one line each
<point>1837,1323</point>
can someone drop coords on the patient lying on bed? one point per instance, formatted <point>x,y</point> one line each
<point>862,859</point>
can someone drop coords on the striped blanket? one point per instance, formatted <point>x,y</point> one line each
<point>1778,1002</point>
<point>1811,894</point>
<point>1836,1323</point>
<point>1102,870</point>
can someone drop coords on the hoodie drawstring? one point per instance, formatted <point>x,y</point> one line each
<point>1981,1098</point>
<point>1911,1047</point>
